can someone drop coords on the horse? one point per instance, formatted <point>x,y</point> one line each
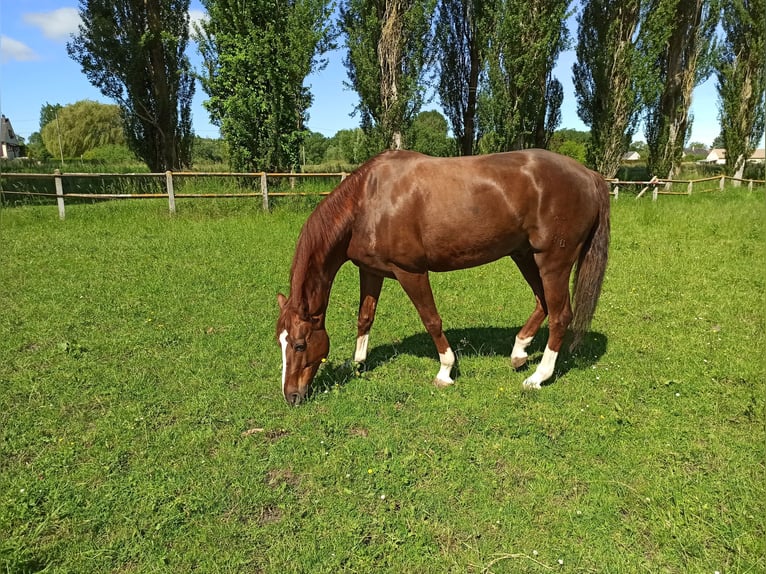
<point>403,214</point>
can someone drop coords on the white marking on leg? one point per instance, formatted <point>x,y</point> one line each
<point>519,353</point>
<point>361,348</point>
<point>283,342</point>
<point>544,370</point>
<point>447,360</point>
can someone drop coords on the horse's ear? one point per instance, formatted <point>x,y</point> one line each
<point>281,300</point>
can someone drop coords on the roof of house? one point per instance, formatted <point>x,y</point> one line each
<point>7,135</point>
<point>718,152</point>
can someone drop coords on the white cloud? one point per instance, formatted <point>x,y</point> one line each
<point>56,25</point>
<point>14,51</point>
<point>194,18</point>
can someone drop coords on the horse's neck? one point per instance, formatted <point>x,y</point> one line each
<point>314,273</point>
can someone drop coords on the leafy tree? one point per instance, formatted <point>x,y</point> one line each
<point>678,40</point>
<point>742,81</point>
<point>348,146</point>
<point>569,142</point>
<point>314,147</point>
<point>605,77</point>
<point>209,150</point>
<point>521,100</point>
<point>429,134</point>
<point>48,113</point>
<point>133,51</point>
<point>36,148</point>
<point>461,37</point>
<point>256,57</point>
<point>81,127</point>
<point>387,44</point>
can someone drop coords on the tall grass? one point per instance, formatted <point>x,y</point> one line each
<point>143,428</point>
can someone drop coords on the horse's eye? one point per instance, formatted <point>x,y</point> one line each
<point>300,347</point>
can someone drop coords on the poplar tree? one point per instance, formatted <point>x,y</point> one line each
<point>462,32</point>
<point>606,79</point>
<point>520,105</point>
<point>742,81</point>
<point>387,49</point>
<point>133,51</point>
<point>256,57</point>
<point>678,41</point>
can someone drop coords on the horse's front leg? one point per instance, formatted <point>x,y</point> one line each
<point>369,292</point>
<point>418,289</point>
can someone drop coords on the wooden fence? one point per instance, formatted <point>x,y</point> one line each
<point>169,179</point>
<point>669,186</point>
<point>658,186</point>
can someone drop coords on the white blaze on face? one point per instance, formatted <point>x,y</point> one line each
<point>283,343</point>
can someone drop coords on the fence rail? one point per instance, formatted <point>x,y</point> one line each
<point>657,185</point>
<point>665,186</point>
<point>170,178</point>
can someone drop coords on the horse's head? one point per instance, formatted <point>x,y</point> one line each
<point>304,344</point>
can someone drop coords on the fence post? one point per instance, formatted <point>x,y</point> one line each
<point>264,191</point>
<point>59,192</point>
<point>750,185</point>
<point>655,191</point>
<point>616,188</point>
<point>723,181</point>
<point>689,187</point>
<point>171,192</point>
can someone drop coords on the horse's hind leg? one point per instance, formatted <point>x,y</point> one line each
<point>369,292</point>
<point>528,267</point>
<point>555,279</point>
<point>418,289</point>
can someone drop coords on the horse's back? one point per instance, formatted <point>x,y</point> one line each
<point>425,213</point>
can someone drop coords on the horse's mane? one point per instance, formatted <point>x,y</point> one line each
<point>328,225</point>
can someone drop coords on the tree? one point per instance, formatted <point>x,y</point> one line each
<point>387,44</point>
<point>605,78</point>
<point>462,31</point>
<point>256,57</point>
<point>569,142</point>
<point>678,38</point>
<point>81,127</point>
<point>133,51</point>
<point>742,81</point>
<point>521,100</point>
<point>429,135</point>
<point>48,113</point>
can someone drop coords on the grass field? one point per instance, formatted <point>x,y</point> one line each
<point>143,429</point>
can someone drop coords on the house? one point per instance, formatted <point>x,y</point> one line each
<point>716,156</point>
<point>759,156</point>
<point>9,143</point>
<point>631,156</point>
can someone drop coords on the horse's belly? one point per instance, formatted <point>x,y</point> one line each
<point>470,250</point>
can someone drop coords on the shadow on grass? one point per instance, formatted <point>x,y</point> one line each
<point>469,342</point>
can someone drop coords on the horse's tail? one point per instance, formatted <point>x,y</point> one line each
<point>591,266</point>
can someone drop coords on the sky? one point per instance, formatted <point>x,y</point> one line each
<point>35,70</point>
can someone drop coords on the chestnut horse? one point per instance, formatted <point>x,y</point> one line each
<point>403,214</point>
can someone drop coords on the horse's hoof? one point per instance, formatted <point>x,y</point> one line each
<point>439,384</point>
<point>530,384</point>
<point>518,362</point>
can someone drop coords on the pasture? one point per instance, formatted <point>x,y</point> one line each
<point>143,428</point>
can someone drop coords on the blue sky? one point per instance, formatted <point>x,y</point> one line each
<point>35,69</point>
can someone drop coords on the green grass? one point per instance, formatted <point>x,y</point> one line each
<point>143,428</point>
